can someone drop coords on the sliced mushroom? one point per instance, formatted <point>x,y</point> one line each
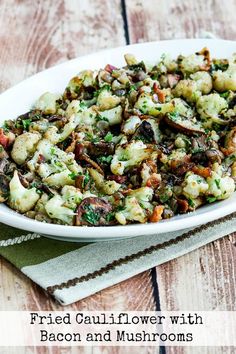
<point>4,164</point>
<point>145,133</point>
<point>189,126</point>
<point>4,188</point>
<point>93,211</point>
<point>80,154</point>
<point>101,148</point>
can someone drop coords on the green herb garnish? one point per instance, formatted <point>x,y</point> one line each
<point>73,175</point>
<point>105,159</point>
<point>86,179</point>
<point>90,215</point>
<point>26,123</point>
<point>108,137</point>
<point>217,182</point>
<point>211,199</point>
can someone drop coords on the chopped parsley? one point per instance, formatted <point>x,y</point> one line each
<point>90,215</point>
<point>108,137</point>
<point>105,159</point>
<point>110,217</point>
<point>52,150</point>
<point>211,199</point>
<point>86,179</point>
<point>191,203</point>
<point>217,182</point>
<point>26,123</point>
<point>99,118</point>
<point>104,87</point>
<point>174,116</point>
<point>73,175</point>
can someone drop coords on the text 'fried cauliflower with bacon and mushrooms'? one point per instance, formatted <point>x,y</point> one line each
<point>125,145</point>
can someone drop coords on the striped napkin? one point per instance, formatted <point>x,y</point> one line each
<point>71,271</point>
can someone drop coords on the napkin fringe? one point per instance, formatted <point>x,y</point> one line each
<point>116,263</point>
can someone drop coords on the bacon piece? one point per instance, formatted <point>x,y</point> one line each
<point>157,213</point>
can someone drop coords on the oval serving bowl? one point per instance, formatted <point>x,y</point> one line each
<point>19,99</point>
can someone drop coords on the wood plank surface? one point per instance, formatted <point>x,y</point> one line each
<point>37,35</point>
<point>151,20</point>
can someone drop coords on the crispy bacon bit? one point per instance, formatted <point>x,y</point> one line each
<point>161,95</point>
<point>153,181</point>
<point>4,140</point>
<point>41,159</point>
<point>202,171</point>
<point>157,213</point>
<point>182,205</point>
<point>110,68</point>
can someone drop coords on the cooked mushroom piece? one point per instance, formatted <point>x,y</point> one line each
<point>93,211</point>
<point>101,148</point>
<point>4,164</point>
<point>145,133</point>
<point>184,124</point>
<point>4,188</point>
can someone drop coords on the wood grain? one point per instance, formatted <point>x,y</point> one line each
<point>150,20</point>
<point>35,35</point>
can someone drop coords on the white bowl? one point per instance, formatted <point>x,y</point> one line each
<point>19,99</point>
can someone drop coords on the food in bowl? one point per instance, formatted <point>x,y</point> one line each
<point>125,145</point>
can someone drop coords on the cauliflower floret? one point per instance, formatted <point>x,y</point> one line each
<point>131,125</point>
<point>191,90</point>
<point>181,141</point>
<point>59,179</point>
<point>72,196</point>
<point>192,63</point>
<point>57,158</point>
<point>55,209</point>
<point>40,205</point>
<point>82,114</point>
<point>203,80</point>
<point>220,187</point>
<point>175,155</point>
<point>209,107</point>
<point>106,100</point>
<point>178,105</point>
<point>40,126</point>
<point>132,211</point>
<point>225,80</point>
<point>47,103</point>
<point>107,187</point>
<point>144,196</point>
<point>24,145</point>
<point>187,89</point>
<point>21,199</point>
<point>194,186</point>
<point>112,116</point>
<point>146,105</point>
<point>52,132</point>
<point>85,78</point>
<point>128,156</point>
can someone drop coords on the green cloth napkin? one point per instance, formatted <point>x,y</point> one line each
<point>71,271</point>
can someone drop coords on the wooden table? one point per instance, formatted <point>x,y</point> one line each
<point>35,35</point>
